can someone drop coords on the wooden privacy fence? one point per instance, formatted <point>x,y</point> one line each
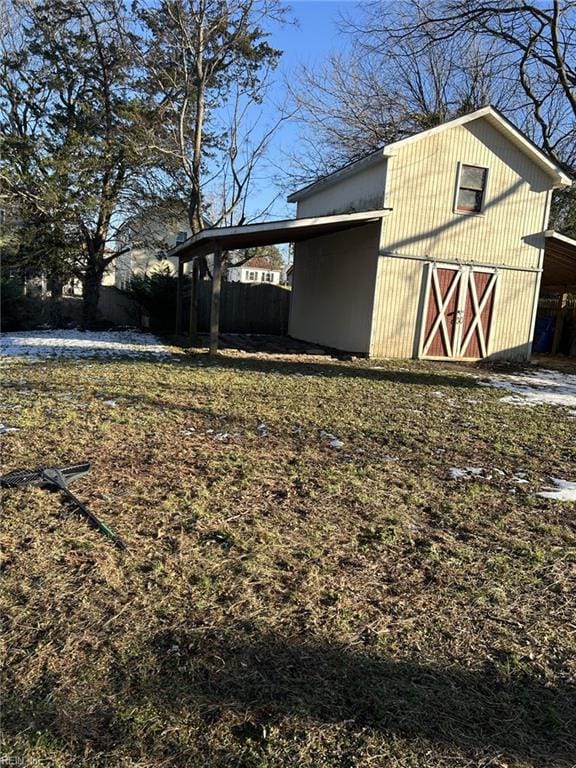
<point>244,307</point>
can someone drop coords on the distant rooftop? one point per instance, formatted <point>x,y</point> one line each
<point>260,262</point>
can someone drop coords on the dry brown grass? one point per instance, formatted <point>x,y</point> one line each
<point>283,603</point>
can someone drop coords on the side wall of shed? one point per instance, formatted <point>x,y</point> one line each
<point>362,191</point>
<point>333,289</point>
<point>422,181</point>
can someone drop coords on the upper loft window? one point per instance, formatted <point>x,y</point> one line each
<point>471,188</point>
<point>181,237</point>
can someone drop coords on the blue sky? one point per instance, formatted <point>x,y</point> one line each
<point>308,42</point>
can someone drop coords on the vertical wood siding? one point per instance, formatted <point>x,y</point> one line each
<point>333,289</point>
<point>422,181</point>
<point>397,306</point>
<point>363,191</point>
<point>512,318</point>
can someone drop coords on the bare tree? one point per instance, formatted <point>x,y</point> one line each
<point>384,88</point>
<point>203,55</point>
<point>533,46</point>
<point>207,65</point>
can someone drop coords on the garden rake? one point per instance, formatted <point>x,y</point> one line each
<point>54,479</point>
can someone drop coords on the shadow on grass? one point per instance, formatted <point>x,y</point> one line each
<point>325,682</point>
<point>414,374</point>
<point>265,679</point>
<point>420,375</point>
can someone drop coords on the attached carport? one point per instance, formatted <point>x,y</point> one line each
<point>218,240</point>
<point>559,272</point>
<point>559,276</point>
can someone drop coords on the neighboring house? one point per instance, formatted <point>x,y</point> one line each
<point>255,270</point>
<point>149,240</point>
<point>452,268</point>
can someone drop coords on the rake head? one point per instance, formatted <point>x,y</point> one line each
<point>21,477</point>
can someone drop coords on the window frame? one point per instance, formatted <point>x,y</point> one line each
<point>462,211</point>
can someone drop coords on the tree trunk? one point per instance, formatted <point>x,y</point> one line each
<point>55,285</point>
<point>91,285</point>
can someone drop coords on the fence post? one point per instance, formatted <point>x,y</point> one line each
<point>193,318</point>
<point>215,304</point>
<point>179,295</point>
<point>559,325</point>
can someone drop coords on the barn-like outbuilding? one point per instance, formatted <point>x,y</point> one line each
<point>437,246</point>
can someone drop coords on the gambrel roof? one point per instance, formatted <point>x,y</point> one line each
<point>494,118</point>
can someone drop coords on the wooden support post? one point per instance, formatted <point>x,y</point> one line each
<point>179,287</point>
<point>193,318</point>
<point>562,301</point>
<point>215,305</point>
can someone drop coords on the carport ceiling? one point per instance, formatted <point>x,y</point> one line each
<point>559,262</point>
<point>271,233</point>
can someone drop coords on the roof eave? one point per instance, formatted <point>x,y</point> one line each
<point>208,239</point>
<point>336,176</point>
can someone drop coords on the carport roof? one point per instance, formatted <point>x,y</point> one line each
<point>559,269</point>
<point>271,233</point>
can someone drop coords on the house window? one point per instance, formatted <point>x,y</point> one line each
<point>471,188</point>
<point>181,237</point>
<point>251,276</point>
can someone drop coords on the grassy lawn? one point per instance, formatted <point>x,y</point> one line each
<point>283,602</point>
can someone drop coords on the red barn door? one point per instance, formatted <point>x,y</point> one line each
<point>458,314</point>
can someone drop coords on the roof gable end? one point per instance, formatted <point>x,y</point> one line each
<point>492,115</point>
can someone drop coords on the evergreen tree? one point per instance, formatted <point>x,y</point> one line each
<point>72,157</point>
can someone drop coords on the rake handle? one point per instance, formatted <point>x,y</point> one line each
<point>56,479</point>
<point>93,519</point>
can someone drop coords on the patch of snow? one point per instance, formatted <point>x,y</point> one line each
<point>333,441</point>
<point>78,344</point>
<point>4,428</point>
<point>262,430</point>
<point>468,473</point>
<point>464,474</point>
<point>565,491</point>
<point>111,403</point>
<point>536,388</point>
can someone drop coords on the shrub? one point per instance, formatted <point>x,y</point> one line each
<point>156,294</point>
<point>18,312</point>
